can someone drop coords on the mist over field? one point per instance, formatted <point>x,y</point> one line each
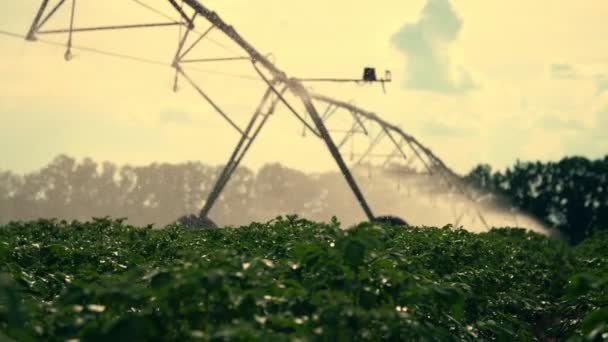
<point>160,193</point>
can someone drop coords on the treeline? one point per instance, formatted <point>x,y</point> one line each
<point>156,193</point>
<point>161,193</point>
<point>570,195</point>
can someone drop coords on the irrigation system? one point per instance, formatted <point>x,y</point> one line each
<point>189,16</point>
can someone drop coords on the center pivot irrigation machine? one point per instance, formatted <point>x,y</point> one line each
<point>407,153</point>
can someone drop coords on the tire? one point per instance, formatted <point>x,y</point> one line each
<point>394,220</point>
<point>196,222</point>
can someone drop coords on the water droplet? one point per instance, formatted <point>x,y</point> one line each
<point>260,319</point>
<point>96,308</point>
<point>197,334</point>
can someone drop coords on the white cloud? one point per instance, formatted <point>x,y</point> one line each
<point>426,45</point>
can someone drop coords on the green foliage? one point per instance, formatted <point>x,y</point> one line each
<point>584,308</point>
<point>295,279</point>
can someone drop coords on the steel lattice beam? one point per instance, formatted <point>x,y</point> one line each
<point>262,66</point>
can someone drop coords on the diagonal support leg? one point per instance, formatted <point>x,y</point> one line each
<point>237,155</point>
<point>299,90</point>
<point>209,100</point>
<point>181,12</point>
<point>31,35</point>
<point>280,96</point>
<point>50,14</point>
<point>238,160</point>
<point>359,122</point>
<point>348,135</point>
<point>371,147</point>
<point>397,145</point>
<point>68,52</point>
<point>180,46</point>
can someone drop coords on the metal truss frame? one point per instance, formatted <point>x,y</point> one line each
<point>278,85</point>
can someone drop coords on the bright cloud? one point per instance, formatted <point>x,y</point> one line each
<point>426,46</point>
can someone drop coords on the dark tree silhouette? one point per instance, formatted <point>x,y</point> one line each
<point>570,195</point>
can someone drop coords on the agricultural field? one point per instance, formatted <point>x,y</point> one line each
<point>295,280</point>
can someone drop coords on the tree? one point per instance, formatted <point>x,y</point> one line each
<point>570,195</point>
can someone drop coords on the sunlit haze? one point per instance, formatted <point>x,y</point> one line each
<point>475,81</point>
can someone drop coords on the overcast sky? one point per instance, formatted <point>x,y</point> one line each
<point>476,81</point>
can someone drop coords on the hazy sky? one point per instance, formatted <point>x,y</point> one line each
<point>476,81</point>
